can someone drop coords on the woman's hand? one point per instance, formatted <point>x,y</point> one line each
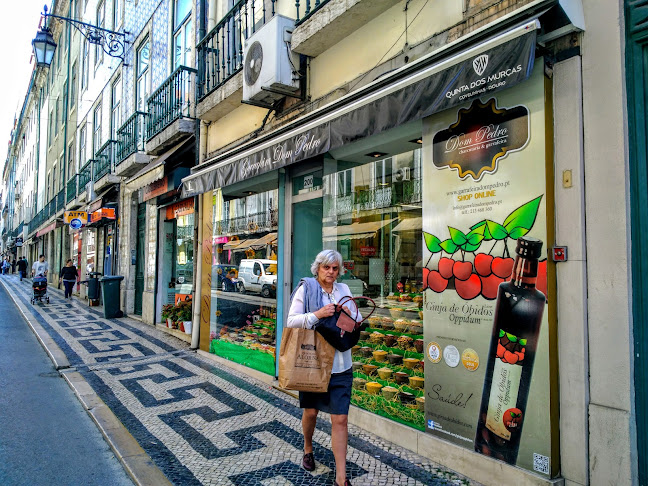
<point>327,311</point>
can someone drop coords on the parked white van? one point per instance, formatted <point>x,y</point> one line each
<point>258,276</point>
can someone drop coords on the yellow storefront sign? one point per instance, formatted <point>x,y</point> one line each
<point>80,215</point>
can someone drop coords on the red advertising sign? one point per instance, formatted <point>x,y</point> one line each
<point>107,213</point>
<point>181,208</point>
<point>368,250</point>
<point>349,264</point>
<point>155,189</point>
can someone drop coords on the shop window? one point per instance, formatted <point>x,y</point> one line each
<point>244,277</point>
<point>373,216</point>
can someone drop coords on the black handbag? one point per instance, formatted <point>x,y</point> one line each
<point>333,331</point>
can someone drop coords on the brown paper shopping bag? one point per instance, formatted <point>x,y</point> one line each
<point>305,360</point>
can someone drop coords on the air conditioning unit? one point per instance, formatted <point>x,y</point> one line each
<point>402,174</point>
<point>269,63</point>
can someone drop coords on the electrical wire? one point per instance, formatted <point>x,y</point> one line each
<point>352,87</point>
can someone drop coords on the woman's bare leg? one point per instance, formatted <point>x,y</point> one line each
<point>339,439</point>
<point>309,419</point>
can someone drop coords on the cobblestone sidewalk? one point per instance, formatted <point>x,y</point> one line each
<point>206,425</point>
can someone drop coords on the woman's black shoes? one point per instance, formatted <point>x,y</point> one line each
<point>308,462</point>
<point>346,483</point>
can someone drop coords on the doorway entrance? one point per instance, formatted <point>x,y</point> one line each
<point>139,258</point>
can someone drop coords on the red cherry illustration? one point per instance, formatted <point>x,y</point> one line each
<point>462,270</point>
<point>470,288</point>
<point>483,264</point>
<point>426,271</point>
<point>490,285</point>
<point>512,419</point>
<point>445,267</point>
<point>502,267</point>
<point>436,282</point>
<point>500,350</point>
<point>541,283</point>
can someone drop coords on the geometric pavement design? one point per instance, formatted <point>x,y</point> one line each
<point>205,425</point>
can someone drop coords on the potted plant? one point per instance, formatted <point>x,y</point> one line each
<point>168,314</point>
<point>184,316</point>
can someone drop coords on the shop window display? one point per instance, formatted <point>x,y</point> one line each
<point>372,216</point>
<point>244,279</point>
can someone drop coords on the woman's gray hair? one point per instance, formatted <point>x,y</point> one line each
<point>327,257</point>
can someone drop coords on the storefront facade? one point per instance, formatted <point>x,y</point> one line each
<point>424,182</point>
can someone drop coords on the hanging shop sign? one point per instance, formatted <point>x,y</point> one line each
<point>95,205</point>
<point>46,229</point>
<point>80,216</point>
<point>480,71</point>
<point>218,240</point>
<point>181,208</point>
<point>156,188</point>
<point>486,353</point>
<point>103,213</point>
<point>19,241</point>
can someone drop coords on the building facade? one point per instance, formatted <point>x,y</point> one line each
<point>426,143</point>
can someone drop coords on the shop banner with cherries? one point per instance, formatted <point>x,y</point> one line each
<point>486,351</point>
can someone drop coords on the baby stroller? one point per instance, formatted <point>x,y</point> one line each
<point>39,287</point>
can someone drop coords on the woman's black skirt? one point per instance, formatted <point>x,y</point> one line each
<point>336,400</point>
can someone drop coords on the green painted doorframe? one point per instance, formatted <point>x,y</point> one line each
<point>637,88</point>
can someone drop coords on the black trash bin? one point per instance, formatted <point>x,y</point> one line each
<point>110,292</point>
<point>93,285</point>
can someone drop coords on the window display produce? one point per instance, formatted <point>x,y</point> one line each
<point>388,361</point>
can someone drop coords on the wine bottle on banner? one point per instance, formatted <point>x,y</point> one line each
<point>516,326</point>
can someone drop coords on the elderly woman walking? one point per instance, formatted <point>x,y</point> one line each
<point>315,299</point>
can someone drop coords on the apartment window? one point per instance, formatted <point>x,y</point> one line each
<point>85,65</point>
<point>101,22</point>
<point>143,75</point>
<point>181,33</point>
<point>82,145</point>
<point>54,179</point>
<point>117,13</point>
<point>51,127</point>
<point>71,169</point>
<point>115,115</point>
<point>73,86</point>
<point>79,10</point>
<point>56,116</point>
<point>48,189</point>
<point>96,124</point>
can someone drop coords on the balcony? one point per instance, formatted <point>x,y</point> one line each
<point>85,176</point>
<point>170,109</point>
<point>252,223</point>
<point>60,201</point>
<point>220,58</point>
<point>103,165</point>
<point>130,156</point>
<point>323,23</point>
<point>71,189</point>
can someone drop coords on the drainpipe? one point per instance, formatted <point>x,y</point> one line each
<point>66,104</point>
<point>195,330</point>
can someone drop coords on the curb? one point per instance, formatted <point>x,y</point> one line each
<point>137,464</point>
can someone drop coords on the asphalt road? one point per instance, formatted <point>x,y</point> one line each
<point>46,437</point>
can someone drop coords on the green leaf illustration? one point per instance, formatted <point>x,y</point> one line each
<point>448,246</point>
<point>522,218</point>
<point>432,242</point>
<point>523,342</point>
<point>501,334</point>
<point>475,237</point>
<point>458,238</point>
<point>470,248</point>
<point>511,337</point>
<point>490,229</point>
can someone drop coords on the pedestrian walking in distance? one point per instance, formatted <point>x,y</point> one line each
<point>69,276</point>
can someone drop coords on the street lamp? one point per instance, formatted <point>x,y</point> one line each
<point>112,43</point>
<point>44,47</point>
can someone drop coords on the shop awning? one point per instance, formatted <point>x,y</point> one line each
<point>263,241</point>
<point>154,170</point>
<point>410,224</point>
<point>445,78</point>
<point>355,231</point>
<point>230,245</point>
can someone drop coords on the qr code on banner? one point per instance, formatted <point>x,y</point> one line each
<point>540,463</point>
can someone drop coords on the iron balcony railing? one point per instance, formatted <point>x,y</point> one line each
<point>85,175</point>
<point>72,188</point>
<point>131,136</point>
<point>171,101</point>
<point>220,52</point>
<point>104,160</point>
<point>60,200</point>
<point>252,223</point>
<point>310,8</point>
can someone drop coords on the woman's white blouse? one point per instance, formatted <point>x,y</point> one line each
<point>298,318</point>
